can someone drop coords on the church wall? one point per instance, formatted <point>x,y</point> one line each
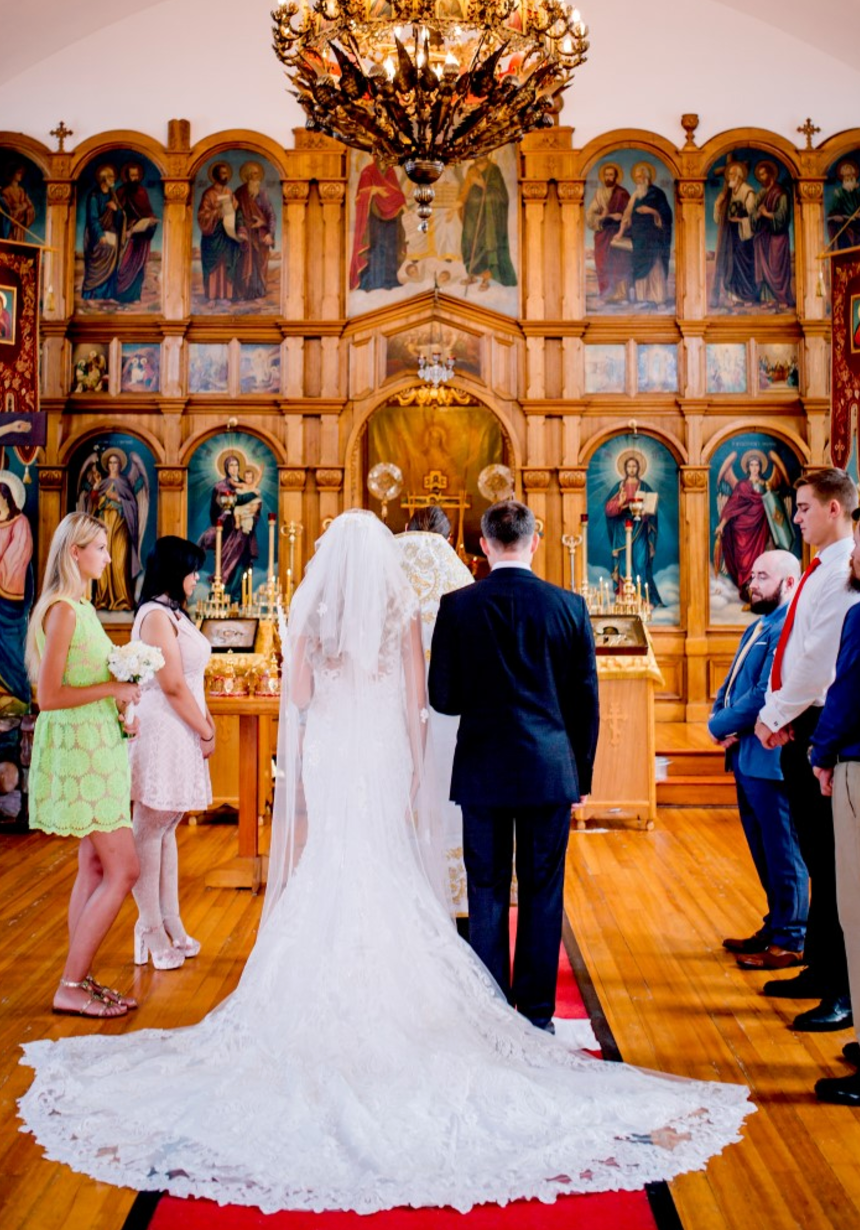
<point>570,373</point>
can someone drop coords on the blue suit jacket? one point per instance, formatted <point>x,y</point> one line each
<point>838,729</point>
<point>514,656</point>
<point>748,756</point>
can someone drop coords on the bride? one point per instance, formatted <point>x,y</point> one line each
<point>366,1058</point>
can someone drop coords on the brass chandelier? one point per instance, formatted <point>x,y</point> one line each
<point>422,84</point>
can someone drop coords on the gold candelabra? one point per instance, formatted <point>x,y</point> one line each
<point>603,599</point>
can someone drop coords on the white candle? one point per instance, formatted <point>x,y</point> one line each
<point>218,533</point>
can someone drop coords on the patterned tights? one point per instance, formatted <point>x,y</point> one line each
<point>157,889</point>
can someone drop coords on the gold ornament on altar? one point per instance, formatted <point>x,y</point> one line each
<point>385,482</point>
<point>496,482</point>
<point>422,84</point>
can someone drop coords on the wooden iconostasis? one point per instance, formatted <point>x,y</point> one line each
<point>233,314</point>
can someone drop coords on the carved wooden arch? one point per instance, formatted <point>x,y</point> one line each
<point>191,445</point>
<point>830,151</point>
<point>786,434</point>
<point>233,138</point>
<point>121,138</point>
<point>629,138</point>
<point>146,437</point>
<point>666,438</point>
<point>759,138</point>
<point>352,496</point>
<point>30,148</point>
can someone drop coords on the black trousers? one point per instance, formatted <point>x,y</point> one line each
<point>488,849</point>
<point>812,815</point>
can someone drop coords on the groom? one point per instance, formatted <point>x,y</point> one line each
<point>514,656</point>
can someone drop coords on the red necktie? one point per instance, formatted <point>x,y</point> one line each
<point>776,671</point>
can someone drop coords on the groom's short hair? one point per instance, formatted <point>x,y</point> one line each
<point>508,522</point>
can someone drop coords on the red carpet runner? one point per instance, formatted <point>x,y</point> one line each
<point>605,1211</point>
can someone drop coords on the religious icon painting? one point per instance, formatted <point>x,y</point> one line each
<point>22,198</point>
<point>118,234</point>
<point>445,449</point>
<point>140,368</point>
<point>635,478</point>
<point>112,476</point>
<point>91,368</point>
<point>630,235</point>
<point>208,367</point>
<point>232,482</point>
<point>237,253</point>
<point>19,525</point>
<point>842,202</point>
<point>8,315</point>
<point>470,249</point>
<point>260,369</point>
<point>657,369</point>
<point>726,367</point>
<point>403,350</point>
<point>749,234</point>
<point>606,369</point>
<point>751,511</point>
<point>778,367</point>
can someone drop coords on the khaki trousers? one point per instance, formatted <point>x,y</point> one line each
<point>846,825</point>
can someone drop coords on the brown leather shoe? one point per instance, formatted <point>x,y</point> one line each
<point>773,957</point>
<point>753,943</point>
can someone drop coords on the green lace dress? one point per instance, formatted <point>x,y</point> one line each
<point>79,775</point>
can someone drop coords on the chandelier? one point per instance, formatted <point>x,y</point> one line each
<point>422,84</point>
<point>434,370</point>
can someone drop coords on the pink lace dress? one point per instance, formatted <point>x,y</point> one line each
<point>168,772</point>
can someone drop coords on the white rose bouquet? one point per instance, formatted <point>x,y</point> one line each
<point>135,662</point>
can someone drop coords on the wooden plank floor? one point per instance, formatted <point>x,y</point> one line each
<point>649,911</point>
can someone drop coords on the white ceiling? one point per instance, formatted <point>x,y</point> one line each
<point>31,32</point>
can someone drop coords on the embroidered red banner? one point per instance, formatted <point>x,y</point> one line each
<point>21,422</point>
<point>845,383</point>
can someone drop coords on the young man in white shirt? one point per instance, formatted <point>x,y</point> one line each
<point>803,669</point>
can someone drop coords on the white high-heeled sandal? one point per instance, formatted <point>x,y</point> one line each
<point>187,944</point>
<point>168,958</point>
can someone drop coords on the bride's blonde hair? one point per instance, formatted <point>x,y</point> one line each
<point>62,577</point>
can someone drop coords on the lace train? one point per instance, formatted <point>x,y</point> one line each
<point>366,1059</point>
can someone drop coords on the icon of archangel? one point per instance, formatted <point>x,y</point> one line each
<point>754,513</point>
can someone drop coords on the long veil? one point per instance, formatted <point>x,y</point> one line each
<point>353,615</point>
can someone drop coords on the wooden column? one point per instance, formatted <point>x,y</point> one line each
<point>332,194</point>
<point>291,481</point>
<point>58,270</point>
<point>176,241</point>
<point>295,194</point>
<point>573,505</point>
<point>810,241</point>
<point>536,483</point>
<point>330,489</point>
<point>534,199</point>
<point>695,596</point>
<point>171,499</point>
<point>571,196</point>
<point>52,481</point>
<point>691,289</point>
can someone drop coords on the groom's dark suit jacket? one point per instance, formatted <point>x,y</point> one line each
<point>514,657</point>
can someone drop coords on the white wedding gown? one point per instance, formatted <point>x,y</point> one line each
<point>366,1059</point>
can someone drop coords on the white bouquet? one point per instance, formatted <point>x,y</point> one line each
<point>135,662</point>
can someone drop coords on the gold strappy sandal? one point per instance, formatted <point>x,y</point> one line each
<point>108,1010</point>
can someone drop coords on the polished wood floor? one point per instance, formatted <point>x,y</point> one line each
<point>649,911</point>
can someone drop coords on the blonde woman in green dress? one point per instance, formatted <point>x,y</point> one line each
<point>79,775</point>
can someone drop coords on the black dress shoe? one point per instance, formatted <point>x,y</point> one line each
<point>753,943</point>
<point>851,1052</point>
<point>842,1090</point>
<point>832,1013</point>
<point>804,985</point>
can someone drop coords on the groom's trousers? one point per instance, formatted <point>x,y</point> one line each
<point>488,851</point>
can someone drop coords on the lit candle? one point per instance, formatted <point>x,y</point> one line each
<point>628,536</point>
<point>271,572</point>
<point>639,588</point>
<point>218,533</point>
<point>647,599</point>
<point>583,530</point>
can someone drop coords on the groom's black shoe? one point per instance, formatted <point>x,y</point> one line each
<point>549,1028</point>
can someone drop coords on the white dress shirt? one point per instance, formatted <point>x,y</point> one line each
<point>809,663</point>
<point>510,563</point>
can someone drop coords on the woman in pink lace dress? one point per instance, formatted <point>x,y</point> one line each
<point>169,775</point>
